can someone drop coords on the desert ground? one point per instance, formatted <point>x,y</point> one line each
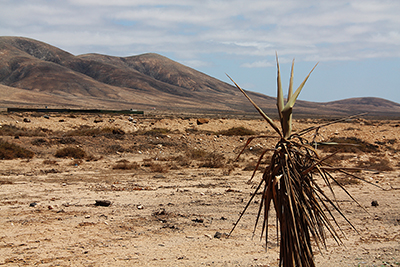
<point>151,190</point>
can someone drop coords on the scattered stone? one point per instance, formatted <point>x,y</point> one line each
<point>98,120</point>
<point>46,117</point>
<point>220,235</point>
<point>198,220</point>
<point>201,121</point>
<point>103,203</point>
<point>33,204</point>
<point>140,207</point>
<point>27,120</point>
<point>159,176</point>
<point>374,203</point>
<point>209,236</point>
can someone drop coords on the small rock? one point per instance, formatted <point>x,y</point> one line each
<point>209,236</point>
<point>220,235</point>
<point>374,203</point>
<point>198,220</point>
<point>201,121</point>
<point>159,176</point>
<point>33,204</point>
<point>27,120</point>
<point>46,117</point>
<point>140,207</point>
<point>103,203</point>
<point>98,120</point>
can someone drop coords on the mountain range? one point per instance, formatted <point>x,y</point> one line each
<point>36,74</point>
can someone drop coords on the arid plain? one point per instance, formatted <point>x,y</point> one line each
<point>166,190</point>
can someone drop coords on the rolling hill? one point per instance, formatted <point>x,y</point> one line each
<point>34,73</point>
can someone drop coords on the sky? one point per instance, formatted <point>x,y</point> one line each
<point>357,43</point>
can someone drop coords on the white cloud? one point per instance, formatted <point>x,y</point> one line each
<point>305,29</point>
<point>258,64</point>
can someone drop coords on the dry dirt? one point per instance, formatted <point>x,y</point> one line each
<point>170,207</point>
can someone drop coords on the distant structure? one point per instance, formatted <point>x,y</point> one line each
<point>61,110</point>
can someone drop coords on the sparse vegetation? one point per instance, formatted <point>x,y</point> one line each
<point>71,152</point>
<point>158,132</point>
<point>85,130</point>
<point>39,142</point>
<point>50,162</point>
<point>13,151</point>
<point>11,130</point>
<point>213,160</point>
<point>126,165</point>
<point>158,167</point>
<point>196,154</point>
<point>237,131</point>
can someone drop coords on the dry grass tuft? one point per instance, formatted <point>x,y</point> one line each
<point>11,130</point>
<point>213,160</point>
<point>109,132</point>
<point>158,167</point>
<point>70,152</point>
<point>125,165</point>
<point>237,131</point>
<point>13,151</point>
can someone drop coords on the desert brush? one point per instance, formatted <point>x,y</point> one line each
<point>303,209</point>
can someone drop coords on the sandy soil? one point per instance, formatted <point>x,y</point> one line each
<point>167,209</point>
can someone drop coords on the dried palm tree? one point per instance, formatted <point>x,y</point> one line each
<point>302,208</point>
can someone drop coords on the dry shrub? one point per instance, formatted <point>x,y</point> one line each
<point>39,142</point>
<point>159,132</point>
<point>207,159</point>
<point>237,131</point>
<point>67,140</point>
<point>70,152</point>
<point>50,162</point>
<point>125,165</point>
<point>157,167</point>
<point>182,161</point>
<point>11,130</point>
<point>213,160</point>
<point>85,130</point>
<point>115,148</point>
<point>197,154</point>
<point>12,151</point>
